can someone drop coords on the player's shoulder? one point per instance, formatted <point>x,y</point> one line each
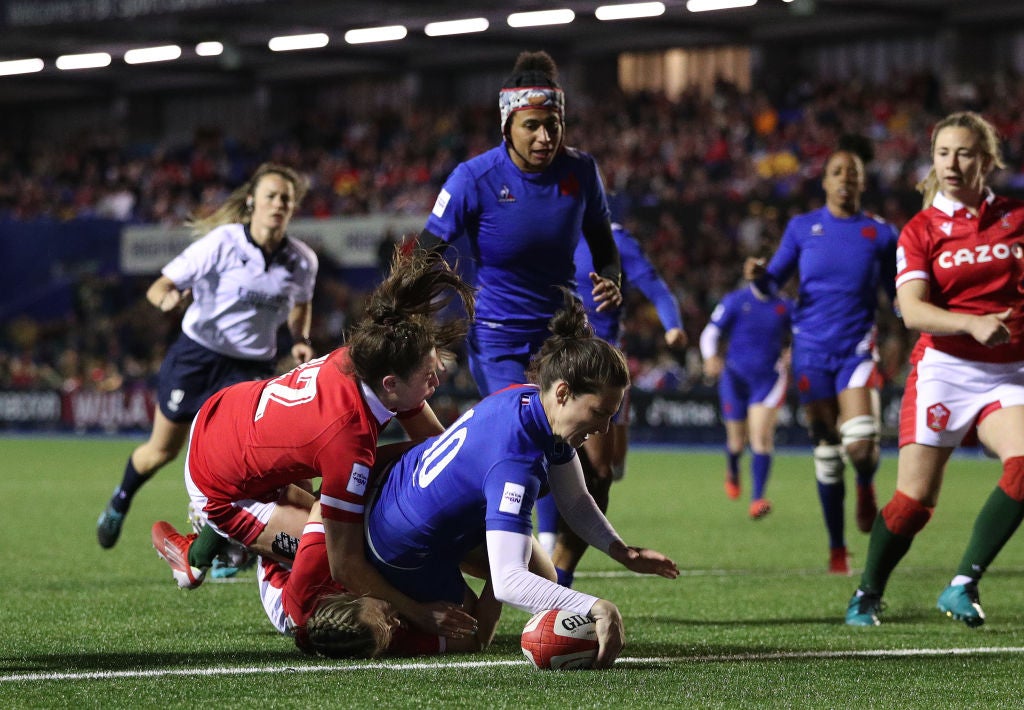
<point>486,162</point>
<point>1005,202</point>
<point>876,218</point>
<point>922,220</point>
<point>575,156</point>
<point>881,225</point>
<point>303,250</point>
<point>734,298</point>
<point>576,153</point>
<point>230,234</point>
<point>217,244</point>
<point>803,223</point>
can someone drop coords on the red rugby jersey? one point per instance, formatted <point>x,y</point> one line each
<point>973,264</point>
<point>252,438</point>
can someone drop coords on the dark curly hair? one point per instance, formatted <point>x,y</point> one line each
<point>398,329</point>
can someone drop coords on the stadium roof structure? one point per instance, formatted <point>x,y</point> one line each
<point>47,29</point>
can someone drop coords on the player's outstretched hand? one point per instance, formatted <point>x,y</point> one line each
<point>643,561</point>
<point>611,634</point>
<point>447,619</point>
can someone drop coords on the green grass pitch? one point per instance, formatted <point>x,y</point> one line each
<point>753,622</point>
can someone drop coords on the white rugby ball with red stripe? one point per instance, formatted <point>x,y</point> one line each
<point>560,640</point>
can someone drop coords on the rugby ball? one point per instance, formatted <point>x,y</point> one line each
<point>559,640</point>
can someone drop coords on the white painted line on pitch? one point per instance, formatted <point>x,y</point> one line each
<point>626,574</point>
<point>625,661</point>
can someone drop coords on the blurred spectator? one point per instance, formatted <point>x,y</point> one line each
<point>703,182</point>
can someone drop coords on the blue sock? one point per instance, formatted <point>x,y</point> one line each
<point>547,514</point>
<point>732,465</point>
<point>760,466</point>
<point>833,496</point>
<point>131,482</point>
<point>564,578</point>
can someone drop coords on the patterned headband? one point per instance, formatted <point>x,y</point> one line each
<point>522,98</point>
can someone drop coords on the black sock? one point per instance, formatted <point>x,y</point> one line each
<point>131,482</point>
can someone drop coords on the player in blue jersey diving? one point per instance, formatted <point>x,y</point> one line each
<point>604,455</point>
<point>753,376</point>
<point>843,256</point>
<point>476,484</point>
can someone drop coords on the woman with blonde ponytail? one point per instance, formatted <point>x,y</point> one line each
<point>960,263</point>
<point>237,285</point>
<point>988,142</point>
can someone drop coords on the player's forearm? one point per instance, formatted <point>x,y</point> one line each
<point>926,317</point>
<point>358,576</point>
<point>300,319</point>
<point>514,584</point>
<point>578,507</point>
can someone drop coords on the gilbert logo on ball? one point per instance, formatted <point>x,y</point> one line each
<point>560,640</point>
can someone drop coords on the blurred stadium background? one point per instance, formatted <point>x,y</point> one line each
<point>710,127</point>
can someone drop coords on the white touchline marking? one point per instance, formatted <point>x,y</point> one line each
<point>625,661</point>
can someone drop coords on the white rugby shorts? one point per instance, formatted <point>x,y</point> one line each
<point>945,396</point>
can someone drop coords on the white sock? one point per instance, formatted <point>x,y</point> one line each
<point>547,541</point>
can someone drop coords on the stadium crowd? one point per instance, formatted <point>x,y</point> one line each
<point>702,181</point>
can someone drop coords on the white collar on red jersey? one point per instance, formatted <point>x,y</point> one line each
<point>382,413</point>
<point>943,203</point>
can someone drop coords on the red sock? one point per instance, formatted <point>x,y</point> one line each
<point>1012,481</point>
<point>905,516</point>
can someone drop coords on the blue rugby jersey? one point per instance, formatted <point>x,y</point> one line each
<point>756,330</point>
<point>637,272</point>
<point>522,228</point>
<point>483,473</point>
<point>842,263</point>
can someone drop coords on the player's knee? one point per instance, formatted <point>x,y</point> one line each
<point>1012,480</point>
<point>828,464</point>
<point>858,429</point>
<point>905,516</point>
<point>822,433</point>
<point>860,442</point>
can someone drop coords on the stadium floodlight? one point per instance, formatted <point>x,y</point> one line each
<point>20,66</point>
<point>456,27</point>
<point>366,35</point>
<point>541,18</point>
<point>289,43</point>
<point>92,60</point>
<point>708,5</point>
<point>629,11</point>
<point>209,49</point>
<point>145,55</point>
